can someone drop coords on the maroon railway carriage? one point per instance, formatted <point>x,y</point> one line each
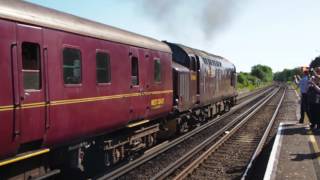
<point>65,79</point>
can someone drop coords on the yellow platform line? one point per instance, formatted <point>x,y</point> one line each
<point>23,157</point>
<point>314,144</point>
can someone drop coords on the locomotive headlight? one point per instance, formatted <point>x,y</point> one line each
<point>177,100</point>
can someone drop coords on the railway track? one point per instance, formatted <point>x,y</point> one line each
<point>232,155</point>
<point>157,159</point>
<point>243,96</point>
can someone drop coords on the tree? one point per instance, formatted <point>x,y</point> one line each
<point>260,74</point>
<point>287,74</point>
<point>264,73</point>
<point>315,62</point>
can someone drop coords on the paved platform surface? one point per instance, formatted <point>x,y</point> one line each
<point>295,153</point>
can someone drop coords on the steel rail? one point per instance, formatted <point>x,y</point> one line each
<point>248,94</point>
<point>150,154</point>
<point>177,164</point>
<point>263,139</point>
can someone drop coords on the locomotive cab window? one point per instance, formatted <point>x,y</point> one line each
<point>134,71</point>
<point>157,70</point>
<point>31,66</point>
<point>103,68</point>
<point>71,66</point>
<point>193,64</point>
<point>205,60</point>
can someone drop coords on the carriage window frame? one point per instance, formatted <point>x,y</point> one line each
<point>108,68</point>
<point>37,70</point>
<point>134,74</point>
<point>64,66</point>
<point>157,72</point>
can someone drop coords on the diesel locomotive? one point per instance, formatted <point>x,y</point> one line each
<point>80,94</point>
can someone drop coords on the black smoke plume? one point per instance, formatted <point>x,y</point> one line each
<point>188,17</point>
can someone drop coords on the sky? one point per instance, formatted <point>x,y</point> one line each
<point>280,34</point>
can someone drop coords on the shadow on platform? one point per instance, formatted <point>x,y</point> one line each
<point>302,157</point>
<point>288,130</point>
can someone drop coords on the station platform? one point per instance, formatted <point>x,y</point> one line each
<point>295,153</point>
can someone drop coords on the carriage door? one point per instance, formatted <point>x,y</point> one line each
<point>198,77</point>
<point>31,85</point>
<point>138,85</point>
<point>193,79</point>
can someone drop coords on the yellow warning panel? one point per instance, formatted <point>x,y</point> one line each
<point>157,102</point>
<point>193,77</point>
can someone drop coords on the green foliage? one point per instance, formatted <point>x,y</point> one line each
<point>246,80</point>
<point>315,62</point>
<point>286,74</point>
<point>260,75</point>
<point>264,73</point>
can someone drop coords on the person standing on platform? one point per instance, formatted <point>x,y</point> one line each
<point>303,85</point>
<point>314,98</point>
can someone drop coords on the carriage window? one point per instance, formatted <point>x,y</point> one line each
<point>71,66</point>
<point>134,71</point>
<point>103,68</point>
<point>31,66</point>
<point>157,70</point>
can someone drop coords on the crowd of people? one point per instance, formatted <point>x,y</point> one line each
<point>309,85</point>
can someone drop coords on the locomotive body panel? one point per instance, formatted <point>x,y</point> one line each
<point>216,81</point>
<point>211,76</point>
<point>181,80</point>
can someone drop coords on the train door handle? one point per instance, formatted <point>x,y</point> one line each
<point>141,91</point>
<point>24,96</point>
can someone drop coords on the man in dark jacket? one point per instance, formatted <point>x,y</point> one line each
<point>314,99</point>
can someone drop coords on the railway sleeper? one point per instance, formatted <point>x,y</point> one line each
<point>204,173</point>
<point>208,166</point>
<point>212,162</point>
